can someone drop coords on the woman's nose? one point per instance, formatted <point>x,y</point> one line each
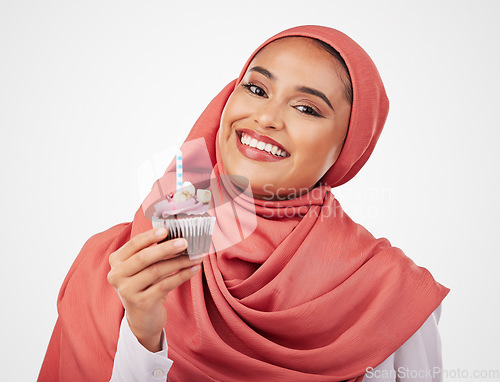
<point>269,115</point>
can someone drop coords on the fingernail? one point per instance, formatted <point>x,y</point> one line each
<point>196,268</point>
<point>179,243</point>
<point>161,231</point>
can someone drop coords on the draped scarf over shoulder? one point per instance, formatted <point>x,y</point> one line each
<point>294,289</point>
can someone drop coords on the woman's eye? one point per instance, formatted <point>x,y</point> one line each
<point>255,90</point>
<point>307,110</point>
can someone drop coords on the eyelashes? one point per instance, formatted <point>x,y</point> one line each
<point>254,89</point>
<point>307,110</point>
<point>259,92</point>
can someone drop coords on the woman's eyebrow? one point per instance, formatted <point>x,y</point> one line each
<point>263,71</point>
<point>314,92</point>
<point>302,89</point>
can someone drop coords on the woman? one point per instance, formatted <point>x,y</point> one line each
<point>306,293</point>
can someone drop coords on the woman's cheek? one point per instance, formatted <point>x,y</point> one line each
<point>231,110</point>
<point>317,154</point>
<point>241,108</point>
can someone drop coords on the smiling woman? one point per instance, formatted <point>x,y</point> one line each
<point>291,289</point>
<point>285,102</point>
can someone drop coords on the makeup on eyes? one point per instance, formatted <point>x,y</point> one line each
<point>249,84</point>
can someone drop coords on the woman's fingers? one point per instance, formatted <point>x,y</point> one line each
<point>149,256</point>
<point>122,270</point>
<point>159,271</point>
<point>138,243</point>
<point>160,289</point>
<point>143,274</point>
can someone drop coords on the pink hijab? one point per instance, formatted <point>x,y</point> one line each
<point>302,294</point>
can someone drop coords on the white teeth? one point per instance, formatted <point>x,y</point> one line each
<point>252,142</point>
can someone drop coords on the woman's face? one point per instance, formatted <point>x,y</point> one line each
<point>284,125</point>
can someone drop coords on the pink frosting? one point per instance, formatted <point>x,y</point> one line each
<point>167,208</point>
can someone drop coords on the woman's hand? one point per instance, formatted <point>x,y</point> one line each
<point>143,274</point>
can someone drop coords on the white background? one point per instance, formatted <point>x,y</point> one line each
<point>92,91</point>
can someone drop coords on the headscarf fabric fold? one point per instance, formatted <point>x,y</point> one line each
<point>305,294</point>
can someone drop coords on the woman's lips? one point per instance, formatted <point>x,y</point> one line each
<point>258,147</point>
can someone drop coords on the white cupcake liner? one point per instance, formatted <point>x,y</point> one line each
<point>196,230</point>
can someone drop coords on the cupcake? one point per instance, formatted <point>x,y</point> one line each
<point>185,214</point>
